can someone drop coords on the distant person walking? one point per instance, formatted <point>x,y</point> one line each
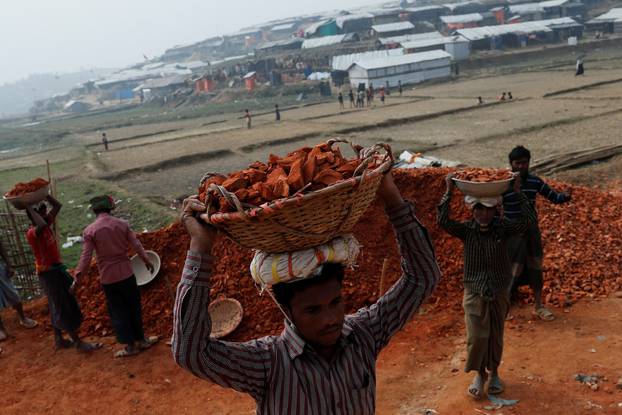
<point>351,96</point>
<point>510,97</point>
<point>480,101</point>
<point>369,97</point>
<point>105,141</point>
<point>277,113</point>
<point>501,97</point>
<point>382,93</point>
<point>387,88</point>
<point>360,102</point>
<point>579,70</point>
<point>9,296</point>
<point>399,87</point>
<point>340,99</point>
<point>247,115</point>
<point>372,91</point>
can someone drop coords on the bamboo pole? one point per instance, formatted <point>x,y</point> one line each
<point>56,224</point>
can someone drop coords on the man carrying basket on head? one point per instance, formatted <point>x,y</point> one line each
<point>487,279</point>
<point>56,282</point>
<point>323,361</point>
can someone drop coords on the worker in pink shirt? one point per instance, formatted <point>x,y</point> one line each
<point>110,238</point>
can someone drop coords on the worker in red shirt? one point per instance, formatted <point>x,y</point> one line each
<point>111,238</point>
<point>54,278</point>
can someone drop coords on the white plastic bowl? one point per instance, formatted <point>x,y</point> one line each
<point>29,199</point>
<point>483,189</point>
<point>142,274</point>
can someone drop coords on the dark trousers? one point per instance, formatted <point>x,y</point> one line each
<point>124,308</point>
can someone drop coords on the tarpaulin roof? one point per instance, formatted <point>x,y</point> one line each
<point>392,27</point>
<point>285,26</point>
<point>462,18</point>
<point>553,3</point>
<point>613,15</point>
<point>526,8</point>
<point>343,62</point>
<point>409,38</point>
<point>405,59</point>
<point>478,33</point>
<point>359,16</point>
<point>323,41</point>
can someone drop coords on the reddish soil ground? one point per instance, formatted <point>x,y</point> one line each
<point>420,369</point>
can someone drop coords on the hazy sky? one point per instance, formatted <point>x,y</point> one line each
<point>65,35</point>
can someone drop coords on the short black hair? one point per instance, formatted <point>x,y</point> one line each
<point>519,152</point>
<point>101,210</point>
<point>285,291</point>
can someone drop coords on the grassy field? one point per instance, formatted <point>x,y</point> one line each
<point>75,190</point>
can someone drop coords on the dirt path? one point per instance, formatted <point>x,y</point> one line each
<point>420,369</point>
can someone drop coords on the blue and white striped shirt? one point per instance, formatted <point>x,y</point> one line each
<point>530,186</point>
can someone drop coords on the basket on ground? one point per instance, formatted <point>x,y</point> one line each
<point>309,219</point>
<point>226,315</point>
<point>28,199</point>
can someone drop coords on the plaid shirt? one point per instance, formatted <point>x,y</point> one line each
<point>487,269</point>
<point>283,373</point>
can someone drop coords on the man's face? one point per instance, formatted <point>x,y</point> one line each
<point>483,215</point>
<point>521,166</point>
<point>318,313</point>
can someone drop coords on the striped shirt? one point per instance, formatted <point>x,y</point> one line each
<point>487,269</point>
<point>530,187</point>
<point>283,373</point>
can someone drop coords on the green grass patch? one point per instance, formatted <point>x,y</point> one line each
<point>74,192</point>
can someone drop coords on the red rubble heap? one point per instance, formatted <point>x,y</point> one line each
<point>583,258</point>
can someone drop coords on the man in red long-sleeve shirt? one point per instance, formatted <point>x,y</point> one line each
<point>110,238</point>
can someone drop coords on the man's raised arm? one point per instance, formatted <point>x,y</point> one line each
<point>420,271</point>
<point>244,367</point>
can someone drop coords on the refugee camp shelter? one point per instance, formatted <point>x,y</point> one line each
<point>425,13</point>
<point>293,43</point>
<point>396,41</point>
<point>456,46</point>
<point>610,22</point>
<point>163,86</point>
<point>393,29</point>
<point>76,107</point>
<point>521,34</point>
<point>354,23</point>
<point>327,27</point>
<point>318,42</point>
<point>527,11</point>
<point>409,69</point>
<point>461,21</point>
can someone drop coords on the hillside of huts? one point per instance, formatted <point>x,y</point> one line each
<point>390,43</point>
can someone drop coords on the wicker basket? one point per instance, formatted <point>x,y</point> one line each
<point>28,199</point>
<point>226,315</point>
<point>304,220</point>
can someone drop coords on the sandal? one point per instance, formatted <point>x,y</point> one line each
<point>28,323</point>
<point>88,347</point>
<point>62,343</point>
<point>496,386</point>
<point>475,388</point>
<point>544,314</point>
<point>125,352</point>
<point>148,342</point>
